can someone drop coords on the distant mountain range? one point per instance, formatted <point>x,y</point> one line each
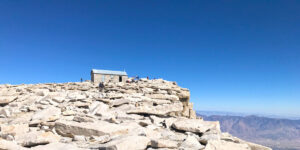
<point>280,134</point>
<point>224,113</point>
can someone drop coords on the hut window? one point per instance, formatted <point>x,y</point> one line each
<point>120,78</point>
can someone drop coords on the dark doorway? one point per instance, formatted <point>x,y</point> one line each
<point>120,78</point>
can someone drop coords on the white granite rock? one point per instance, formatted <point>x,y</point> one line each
<point>195,125</point>
<point>146,114</point>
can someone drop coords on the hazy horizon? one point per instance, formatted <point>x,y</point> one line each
<point>268,115</point>
<point>238,56</point>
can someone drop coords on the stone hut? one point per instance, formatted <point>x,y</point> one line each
<point>98,76</point>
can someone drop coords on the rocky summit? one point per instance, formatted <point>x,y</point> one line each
<point>143,115</point>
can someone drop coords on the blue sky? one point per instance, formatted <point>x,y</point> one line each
<point>240,56</point>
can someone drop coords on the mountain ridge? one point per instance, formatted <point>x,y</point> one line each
<point>276,133</point>
<point>140,115</point>
<point>267,115</point>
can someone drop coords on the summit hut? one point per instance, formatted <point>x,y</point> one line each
<point>98,76</point>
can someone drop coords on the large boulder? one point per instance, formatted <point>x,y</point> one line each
<point>161,110</point>
<point>162,143</point>
<point>5,112</point>
<point>191,143</point>
<point>225,145</point>
<point>4,100</point>
<point>56,146</point>
<point>99,128</point>
<point>9,145</point>
<point>51,113</point>
<point>163,97</point>
<point>98,107</point>
<point>196,125</point>
<point>253,146</point>
<point>14,129</point>
<point>119,102</point>
<point>36,138</point>
<point>127,143</point>
<point>76,96</point>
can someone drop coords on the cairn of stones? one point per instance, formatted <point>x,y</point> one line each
<point>144,115</point>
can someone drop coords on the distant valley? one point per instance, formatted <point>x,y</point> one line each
<point>280,134</point>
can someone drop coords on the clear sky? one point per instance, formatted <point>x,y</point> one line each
<point>240,56</point>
